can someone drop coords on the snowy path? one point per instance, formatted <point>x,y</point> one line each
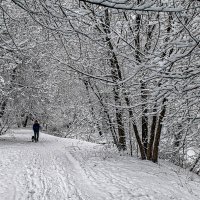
<point>57,168</point>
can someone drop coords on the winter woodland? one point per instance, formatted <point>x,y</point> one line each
<point>121,73</point>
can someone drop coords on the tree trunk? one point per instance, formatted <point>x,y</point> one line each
<point>152,135</point>
<point>92,108</point>
<point>195,163</point>
<point>25,121</point>
<point>105,110</point>
<point>3,108</point>
<point>158,134</point>
<point>144,117</point>
<point>137,136</point>
<point>116,76</point>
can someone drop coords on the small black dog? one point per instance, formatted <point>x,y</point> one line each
<point>33,138</point>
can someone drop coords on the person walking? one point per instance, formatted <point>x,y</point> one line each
<point>36,129</point>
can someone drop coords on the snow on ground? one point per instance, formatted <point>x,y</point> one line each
<point>65,169</point>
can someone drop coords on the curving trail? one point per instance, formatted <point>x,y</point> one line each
<point>57,168</point>
<point>43,170</point>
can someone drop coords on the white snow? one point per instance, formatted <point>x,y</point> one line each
<point>147,6</point>
<point>60,168</point>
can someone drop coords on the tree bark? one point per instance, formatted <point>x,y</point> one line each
<point>92,108</point>
<point>158,134</point>
<point>25,121</point>
<point>105,110</point>
<point>116,76</point>
<point>137,136</point>
<point>152,135</point>
<point>195,163</point>
<point>3,108</point>
<point>144,117</point>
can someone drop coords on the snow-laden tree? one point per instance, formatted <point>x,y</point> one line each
<point>22,74</point>
<point>138,62</point>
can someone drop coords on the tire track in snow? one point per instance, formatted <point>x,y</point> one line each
<point>119,186</point>
<point>106,178</point>
<point>44,177</point>
<point>64,167</point>
<point>40,179</point>
<point>35,180</point>
<point>104,181</point>
<point>58,177</point>
<point>86,186</point>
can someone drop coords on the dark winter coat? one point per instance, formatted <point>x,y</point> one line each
<point>36,127</point>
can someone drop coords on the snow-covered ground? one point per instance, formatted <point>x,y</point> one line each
<point>62,169</point>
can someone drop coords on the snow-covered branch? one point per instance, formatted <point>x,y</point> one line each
<point>152,6</point>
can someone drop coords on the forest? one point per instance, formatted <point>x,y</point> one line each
<point>124,73</point>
